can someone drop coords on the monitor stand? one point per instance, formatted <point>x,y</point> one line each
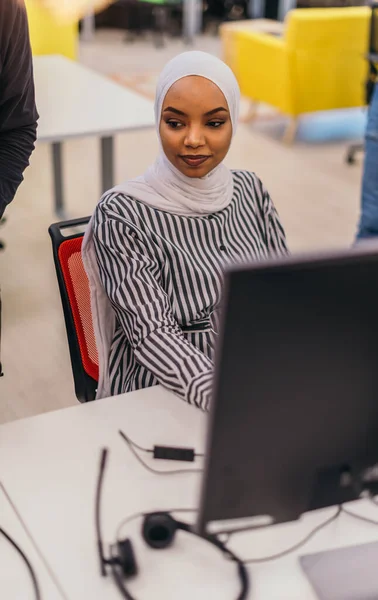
<point>338,485</point>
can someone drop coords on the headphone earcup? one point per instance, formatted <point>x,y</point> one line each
<point>159,530</point>
<point>126,558</point>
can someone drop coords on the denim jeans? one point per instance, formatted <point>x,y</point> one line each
<point>368,226</point>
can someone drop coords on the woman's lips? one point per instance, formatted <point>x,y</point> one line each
<point>194,161</point>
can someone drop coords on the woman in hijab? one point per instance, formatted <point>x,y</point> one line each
<point>157,245</point>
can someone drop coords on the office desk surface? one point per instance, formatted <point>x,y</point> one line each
<point>49,465</point>
<point>15,580</point>
<point>74,101</point>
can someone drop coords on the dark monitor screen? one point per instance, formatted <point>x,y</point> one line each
<point>294,420</point>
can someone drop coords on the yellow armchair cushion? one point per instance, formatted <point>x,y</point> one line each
<point>48,35</point>
<point>263,68</point>
<point>328,28</point>
<point>318,64</point>
<point>328,48</point>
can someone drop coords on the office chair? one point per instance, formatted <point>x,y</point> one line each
<point>372,57</point>
<point>75,297</point>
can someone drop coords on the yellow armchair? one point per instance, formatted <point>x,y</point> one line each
<point>266,79</point>
<point>317,64</point>
<point>48,35</point>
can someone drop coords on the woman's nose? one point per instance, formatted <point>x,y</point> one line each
<point>195,137</point>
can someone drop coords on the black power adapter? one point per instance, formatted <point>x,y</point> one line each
<point>173,453</point>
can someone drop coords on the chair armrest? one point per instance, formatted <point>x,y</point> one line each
<point>263,68</point>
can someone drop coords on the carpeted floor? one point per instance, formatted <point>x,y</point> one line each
<point>143,83</point>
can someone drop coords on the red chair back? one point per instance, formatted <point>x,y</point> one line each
<point>75,296</point>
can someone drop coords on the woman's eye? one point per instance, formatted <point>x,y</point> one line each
<point>215,123</point>
<point>174,124</point>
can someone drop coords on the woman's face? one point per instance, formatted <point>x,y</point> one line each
<point>195,126</point>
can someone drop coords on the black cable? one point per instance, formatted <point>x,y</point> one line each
<point>209,537</point>
<point>33,542</point>
<point>132,445</point>
<point>298,545</point>
<point>118,580</point>
<point>213,539</point>
<point>359,517</point>
<point>151,469</point>
<point>114,560</point>
<point>131,442</point>
<point>37,592</point>
<point>143,514</point>
<point>340,510</point>
<point>100,479</point>
<point>100,548</point>
<point>278,555</point>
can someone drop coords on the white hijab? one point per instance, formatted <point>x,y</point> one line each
<point>163,186</point>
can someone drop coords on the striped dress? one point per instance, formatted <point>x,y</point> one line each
<point>163,276</point>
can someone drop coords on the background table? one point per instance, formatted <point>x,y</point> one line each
<point>88,26</point>
<point>49,464</point>
<point>74,101</point>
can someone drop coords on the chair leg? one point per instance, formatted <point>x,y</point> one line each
<point>352,151</point>
<point>291,131</point>
<point>251,113</point>
<point>161,20</point>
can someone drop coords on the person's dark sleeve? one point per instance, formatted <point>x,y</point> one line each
<point>18,114</point>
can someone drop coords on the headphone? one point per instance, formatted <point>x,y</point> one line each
<point>158,531</point>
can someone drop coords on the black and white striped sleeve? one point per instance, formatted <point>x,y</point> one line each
<point>276,238</point>
<point>130,271</point>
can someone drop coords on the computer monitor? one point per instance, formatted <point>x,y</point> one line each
<point>294,421</point>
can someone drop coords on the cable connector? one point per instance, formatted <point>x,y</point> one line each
<point>173,453</point>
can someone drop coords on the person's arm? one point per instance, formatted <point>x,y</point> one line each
<point>276,237</point>
<point>18,114</point>
<point>274,232</point>
<point>130,273</point>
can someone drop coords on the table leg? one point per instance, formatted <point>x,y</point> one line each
<point>192,20</point>
<point>58,179</point>
<point>283,8</point>
<point>256,9</point>
<point>107,160</point>
<point>88,29</point>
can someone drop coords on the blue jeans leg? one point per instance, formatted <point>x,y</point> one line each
<point>368,226</point>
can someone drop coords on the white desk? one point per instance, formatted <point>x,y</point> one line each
<point>15,580</point>
<point>74,101</point>
<point>49,464</point>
